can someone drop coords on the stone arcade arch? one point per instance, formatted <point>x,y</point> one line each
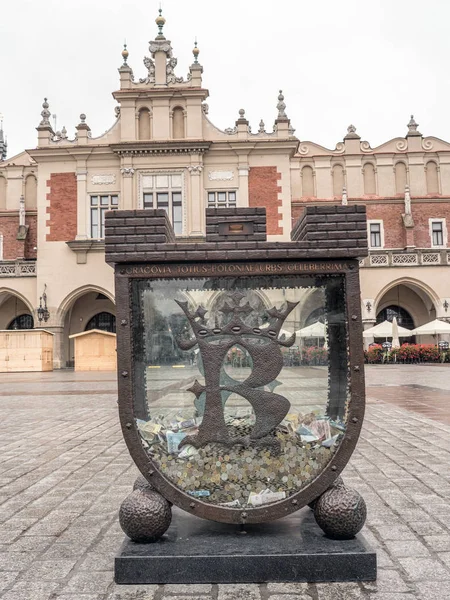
<point>13,304</point>
<point>76,311</point>
<point>413,296</point>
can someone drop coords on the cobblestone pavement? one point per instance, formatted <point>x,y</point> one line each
<point>64,471</point>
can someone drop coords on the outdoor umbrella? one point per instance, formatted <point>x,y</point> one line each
<point>435,327</point>
<point>316,330</point>
<point>395,340</point>
<point>385,330</point>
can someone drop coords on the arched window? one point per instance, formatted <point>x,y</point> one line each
<point>104,321</point>
<point>22,322</point>
<point>404,319</point>
<point>144,124</point>
<point>400,177</point>
<point>369,179</point>
<point>307,182</point>
<point>30,192</point>
<point>338,180</point>
<point>2,193</point>
<point>178,123</point>
<point>432,178</point>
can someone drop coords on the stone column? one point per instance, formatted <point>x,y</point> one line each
<point>82,203</point>
<point>126,190</point>
<point>242,196</point>
<point>195,202</point>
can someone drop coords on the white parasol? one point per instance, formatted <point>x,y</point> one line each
<point>385,330</point>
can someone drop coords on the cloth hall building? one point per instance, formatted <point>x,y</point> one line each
<point>163,151</point>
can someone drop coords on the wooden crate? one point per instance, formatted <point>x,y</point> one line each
<point>95,350</point>
<point>26,350</point>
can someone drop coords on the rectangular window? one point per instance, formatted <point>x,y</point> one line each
<point>375,235</point>
<point>165,191</point>
<point>437,232</point>
<point>222,199</point>
<point>99,205</point>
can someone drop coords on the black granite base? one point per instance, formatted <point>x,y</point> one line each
<point>291,549</point>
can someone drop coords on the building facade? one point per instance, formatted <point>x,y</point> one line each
<point>163,151</point>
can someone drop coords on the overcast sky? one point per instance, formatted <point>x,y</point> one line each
<point>370,63</point>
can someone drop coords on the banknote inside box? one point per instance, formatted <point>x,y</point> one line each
<point>241,384</point>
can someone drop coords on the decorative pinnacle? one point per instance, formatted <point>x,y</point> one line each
<point>262,127</point>
<point>351,133</point>
<point>195,52</point>
<point>281,106</point>
<point>241,113</point>
<point>82,119</point>
<point>45,114</point>
<point>125,54</point>
<point>3,143</point>
<point>412,127</point>
<point>160,20</point>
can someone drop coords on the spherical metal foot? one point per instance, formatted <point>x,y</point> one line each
<point>144,516</point>
<point>339,481</point>
<point>142,484</point>
<point>340,512</point>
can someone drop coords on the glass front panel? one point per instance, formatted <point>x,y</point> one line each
<point>237,401</point>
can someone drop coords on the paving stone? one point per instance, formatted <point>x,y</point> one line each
<point>84,582</point>
<point>288,588</point>
<point>184,597</point>
<point>424,568</point>
<point>400,532</point>
<point>290,597</point>
<point>194,588</point>
<point>432,590</point>
<point>445,557</point>
<point>407,548</point>
<point>438,543</point>
<point>7,579</point>
<point>394,596</point>
<point>231,591</point>
<point>134,592</point>
<point>340,591</point>
<point>388,580</point>
<point>49,570</point>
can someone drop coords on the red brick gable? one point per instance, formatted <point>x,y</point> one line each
<point>62,212</point>
<point>263,190</point>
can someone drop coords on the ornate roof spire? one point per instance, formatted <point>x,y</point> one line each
<point>45,114</point>
<point>195,52</point>
<point>262,127</point>
<point>412,127</point>
<point>160,20</point>
<point>281,106</point>
<point>125,55</point>
<point>3,143</point>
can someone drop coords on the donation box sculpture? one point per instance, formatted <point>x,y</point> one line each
<point>240,367</point>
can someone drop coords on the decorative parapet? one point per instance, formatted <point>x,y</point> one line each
<point>17,268</point>
<point>401,258</point>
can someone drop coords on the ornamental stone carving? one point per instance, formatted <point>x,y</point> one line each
<point>195,169</point>
<point>220,175</point>
<point>103,179</point>
<point>127,171</point>
<point>150,66</point>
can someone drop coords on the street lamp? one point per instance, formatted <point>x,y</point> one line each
<point>42,311</point>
